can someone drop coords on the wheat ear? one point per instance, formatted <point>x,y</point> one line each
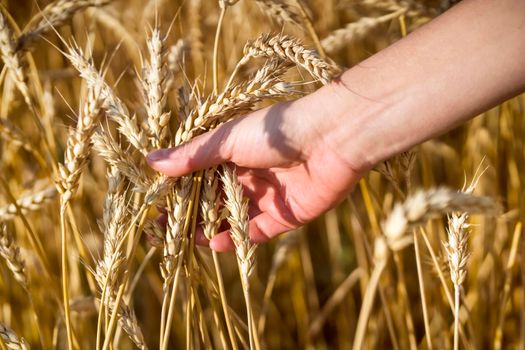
<point>238,219</point>
<point>341,38</point>
<point>113,106</point>
<point>425,205</point>
<point>154,86</point>
<point>11,339</point>
<point>52,16</point>
<point>11,253</point>
<point>13,60</point>
<point>280,10</point>
<point>78,145</point>
<point>289,49</point>
<point>29,202</point>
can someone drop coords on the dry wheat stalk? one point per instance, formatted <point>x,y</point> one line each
<point>280,10</point>
<point>425,205</point>
<point>13,60</point>
<point>341,38</point>
<point>113,106</point>
<point>11,253</point>
<point>29,202</point>
<point>52,16</point>
<point>154,86</point>
<point>115,156</point>
<point>11,339</point>
<point>78,145</point>
<point>289,49</point>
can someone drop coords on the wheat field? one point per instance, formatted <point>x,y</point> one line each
<point>426,252</point>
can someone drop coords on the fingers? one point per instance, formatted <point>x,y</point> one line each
<point>202,152</point>
<point>262,228</point>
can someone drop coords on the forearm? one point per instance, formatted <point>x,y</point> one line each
<point>462,63</point>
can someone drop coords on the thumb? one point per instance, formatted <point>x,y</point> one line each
<point>202,152</point>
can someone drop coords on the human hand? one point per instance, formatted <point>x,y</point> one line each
<point>289,167</point>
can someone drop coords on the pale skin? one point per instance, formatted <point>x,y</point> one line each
<point>300,158</point>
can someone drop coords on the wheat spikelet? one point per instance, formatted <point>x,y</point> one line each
<point>341,38</point>
<point>280,10</point>
<point>13,60</point>
<point>30,202</point>
<point>11,253</point>
<point>115,156</point>
<point>113,106</point>
<point>78,145</point>
<point>11,339</point>
<point>289,49</point>
<point>425,205</point>
<point>154,84</point>
<point>52,16</point>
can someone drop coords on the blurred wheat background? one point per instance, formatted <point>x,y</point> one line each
<point>88,87</point>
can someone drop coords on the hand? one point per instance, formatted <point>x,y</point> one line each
<point>289,168</point>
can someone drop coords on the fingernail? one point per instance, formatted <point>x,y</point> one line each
<point>157,156</point>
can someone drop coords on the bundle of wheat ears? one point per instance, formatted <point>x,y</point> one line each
<point>91,87</point>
